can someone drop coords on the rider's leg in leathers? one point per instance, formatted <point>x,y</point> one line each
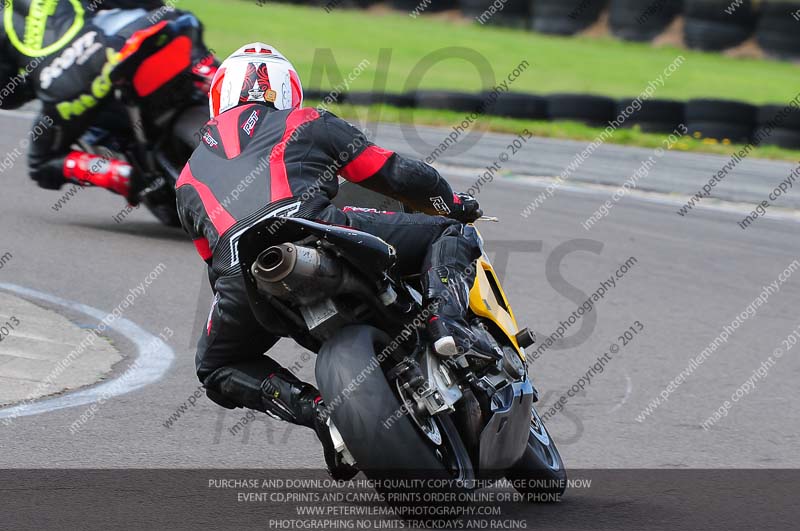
<point>444,251</point>
<point>230,356</point>
<point>236,373</point>
<point>53,163</point>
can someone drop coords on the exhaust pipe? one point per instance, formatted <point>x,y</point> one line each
<point>301,274</point>
<point>276,263</point>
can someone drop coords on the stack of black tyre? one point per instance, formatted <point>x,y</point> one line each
<point>778,125</point>
<point>515,105</point>
<point>507,104</point>
<point>511,13</point>
<point>334,4</point>
<point>721,120</point>
<point>430,7</point>
<point>446,100</point>
<point>651,116</point>
<point>769,125</point>
<point>585,108</point>
<point>565,17</point>
<point>642,20</point>
<point>778,29</point>
<point>715,25</point>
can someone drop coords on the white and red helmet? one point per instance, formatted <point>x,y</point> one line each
<point>256,72</point>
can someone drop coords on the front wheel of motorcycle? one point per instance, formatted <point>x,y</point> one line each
<point>540,473</point>
<point>162,206</point>
<point>384,439</point>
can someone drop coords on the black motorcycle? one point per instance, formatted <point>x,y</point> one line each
<point>398,408</point>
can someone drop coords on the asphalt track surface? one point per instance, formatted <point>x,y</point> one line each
<point>692,276</point>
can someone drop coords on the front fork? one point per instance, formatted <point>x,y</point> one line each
<point>143,157</point>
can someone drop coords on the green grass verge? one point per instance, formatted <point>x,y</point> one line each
<point>585,65</point>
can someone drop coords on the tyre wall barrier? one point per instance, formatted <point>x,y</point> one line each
<point>431,6</point>
<point>511,13</point>
<point>779,125</point>
<point>642,20</point>
<point>705,118</point>
<point>565,17</point>
<point>709,25</point>
<point>591,110</point>
<point>778,30</point>
<point>715,25</point>
<point>720,119</point>
<point>654,116</point>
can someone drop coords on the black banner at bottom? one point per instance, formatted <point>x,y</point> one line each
<point>308,499</point>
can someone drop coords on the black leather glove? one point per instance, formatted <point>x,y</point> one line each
<point>466,209</point>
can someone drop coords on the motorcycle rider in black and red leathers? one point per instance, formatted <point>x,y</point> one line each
<point>57,51</point>
<point>263,152</point>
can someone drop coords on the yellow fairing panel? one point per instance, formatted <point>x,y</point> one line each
<point>487,299</point>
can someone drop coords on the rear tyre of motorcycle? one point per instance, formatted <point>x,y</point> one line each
<point>540,473</point>
<point>384,441</point>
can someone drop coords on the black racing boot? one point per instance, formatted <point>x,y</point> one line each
<point>447,294</point>
<point>283,394</point>
<point>280,395</point>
